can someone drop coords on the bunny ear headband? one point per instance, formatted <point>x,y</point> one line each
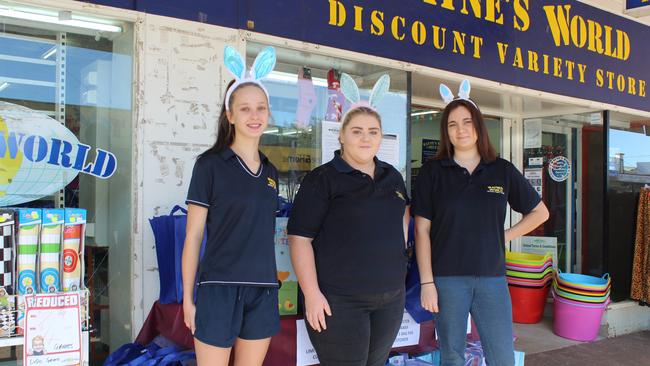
<point>263,65</point>
<point>463,93</point>
<point>350,90</point>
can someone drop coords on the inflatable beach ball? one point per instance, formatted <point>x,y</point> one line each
<point>37,155</point>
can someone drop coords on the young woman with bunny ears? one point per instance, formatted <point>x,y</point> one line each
<point>347,238</point>
<point>234,193</point>
<point>459,203</point>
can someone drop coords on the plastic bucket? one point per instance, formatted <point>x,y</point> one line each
<point>527,303</point>
<point>534,269</point>
<point>572,321</point>
<point>530,275</point>
<point>581,287</point>
<point>526,258</point>
<point>572,296</point>
<point>529,283</point>
<point>578,303</point>
<point>582,292</point>
<point>589,282</point>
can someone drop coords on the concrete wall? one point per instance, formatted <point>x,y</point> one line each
<point>625,317</point>
<point>179,86</point>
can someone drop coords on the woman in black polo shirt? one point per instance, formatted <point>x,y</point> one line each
<point>459,204</point>
<point>347,237</point>
<point>234,193</point>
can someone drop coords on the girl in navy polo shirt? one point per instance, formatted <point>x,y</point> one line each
<point>459,204</point>
<point>347,238</point>
<point>233,192</point>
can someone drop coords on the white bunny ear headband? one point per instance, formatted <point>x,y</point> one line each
<point>263,65</point>
<point>350,90</point>
<point>463,93</point>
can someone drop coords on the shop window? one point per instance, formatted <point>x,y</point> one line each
<point>628,170</point>
<point>563,162</point>
<point>82,78</point>
<point>306,102</point>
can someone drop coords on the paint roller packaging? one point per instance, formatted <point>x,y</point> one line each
<point>27,240</point>
<point>49,277</point>
<point>7,272</point>
<point>73,244</point>
<point>29,226</point>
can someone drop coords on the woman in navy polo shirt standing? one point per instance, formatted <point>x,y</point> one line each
<point>459,204</point>
<point>347,238</point>
<point>233,192</point>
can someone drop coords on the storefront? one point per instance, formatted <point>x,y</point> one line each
<point>556,80</point>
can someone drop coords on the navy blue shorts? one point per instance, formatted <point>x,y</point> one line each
<point>225,313</point>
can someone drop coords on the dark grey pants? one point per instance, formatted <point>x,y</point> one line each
<point>361,330</point>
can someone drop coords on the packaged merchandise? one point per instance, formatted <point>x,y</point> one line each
<point>7,272</point>
<point>73,244</point>
<point>7,259</point>
<point>29,226</point>
<point>49,263</point>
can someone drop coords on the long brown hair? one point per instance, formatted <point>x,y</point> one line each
<point>225,130</point>
<point>446,149</point>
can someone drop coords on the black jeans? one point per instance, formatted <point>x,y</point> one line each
<point>361,330</point>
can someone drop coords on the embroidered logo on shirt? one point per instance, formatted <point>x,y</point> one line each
<point>400,195</point>
<point>271,183</point>
<point>495,189</point>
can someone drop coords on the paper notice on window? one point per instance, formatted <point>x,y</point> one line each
<point>409,332</point>
<point>540,245</point>
<point>52,330</point>
<point>535,177</point>
<point>388,151</point>
<point>305,352</point>
<point>532,133</point>
<point>329,140</point>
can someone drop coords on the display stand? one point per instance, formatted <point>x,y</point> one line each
<point>18,340</point>
<point>43,251</point>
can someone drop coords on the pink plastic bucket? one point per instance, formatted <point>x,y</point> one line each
<point>573,321</point>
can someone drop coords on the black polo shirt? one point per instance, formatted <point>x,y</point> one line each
<point>356,224</point>
<point>467,213</point>
<point>240,249</point>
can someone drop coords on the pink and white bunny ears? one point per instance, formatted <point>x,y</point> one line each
<point>263,65</point>
<point>463,93</point>
<point>350,90</point>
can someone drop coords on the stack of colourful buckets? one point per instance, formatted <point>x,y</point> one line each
<point>579,302</point>
<point>529,278</point>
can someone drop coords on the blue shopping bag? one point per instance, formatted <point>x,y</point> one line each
<point>133,354</point>
<point>125,354</point>
<point>169,235</point>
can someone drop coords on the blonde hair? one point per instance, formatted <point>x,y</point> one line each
<point>356,112</point>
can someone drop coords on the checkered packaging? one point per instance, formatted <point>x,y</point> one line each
<point>7,240</point>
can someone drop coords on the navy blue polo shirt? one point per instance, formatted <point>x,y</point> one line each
<point>240,249</point>
<point>356,223</point>
<point>467,213</point>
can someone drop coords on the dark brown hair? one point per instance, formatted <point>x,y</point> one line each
<point>225,130</point>
<point>446,149</point>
